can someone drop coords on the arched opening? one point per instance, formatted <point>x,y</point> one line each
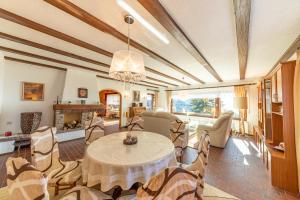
<point>112,99</point>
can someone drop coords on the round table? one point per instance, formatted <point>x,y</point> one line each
<point>109,162</point>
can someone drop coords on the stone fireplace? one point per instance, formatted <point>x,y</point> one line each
<point>71,117</point>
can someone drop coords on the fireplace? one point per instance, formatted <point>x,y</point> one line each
<point>72,117</point>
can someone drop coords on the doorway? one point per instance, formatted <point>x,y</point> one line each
<point>112,100</point>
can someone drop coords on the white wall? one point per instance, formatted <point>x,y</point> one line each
<point>15,73</point>
<point>78,78</point>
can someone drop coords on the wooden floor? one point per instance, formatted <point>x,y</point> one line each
<point>237,169</point>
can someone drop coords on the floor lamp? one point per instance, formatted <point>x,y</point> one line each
<point>241,103</point>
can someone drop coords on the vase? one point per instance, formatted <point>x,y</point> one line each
<point>30,121</point>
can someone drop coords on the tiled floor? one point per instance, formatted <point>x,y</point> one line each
<point>237,169</point>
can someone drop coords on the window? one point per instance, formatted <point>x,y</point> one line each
<point>204,106</point>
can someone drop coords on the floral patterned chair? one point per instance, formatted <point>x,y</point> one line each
<point>45,157</point>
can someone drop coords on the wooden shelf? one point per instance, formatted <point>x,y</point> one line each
<point>274,152</point>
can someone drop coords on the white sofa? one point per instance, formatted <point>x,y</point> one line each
<point>219,132</point>
<point>168,125</point>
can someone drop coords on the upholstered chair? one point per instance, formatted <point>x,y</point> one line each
<point>178,136</point>
<point>171,183</point>
<point>135,123</point>
<point>199,165</point>
<point>24,181</point>
<point>28,183</point>
<point>219,132</point>
<point>94,129</point>
<point>45,157</point>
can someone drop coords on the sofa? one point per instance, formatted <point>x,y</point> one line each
<point>220,131</point>
<point>168,125</point>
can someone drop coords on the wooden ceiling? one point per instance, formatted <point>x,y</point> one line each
<point>162,70</point>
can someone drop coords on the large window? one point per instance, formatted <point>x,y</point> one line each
<point>204,106</point>
<point>150,102</point>
<point>204,102</point>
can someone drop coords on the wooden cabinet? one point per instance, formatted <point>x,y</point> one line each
<point>133,111</point>
<point>283,167</point>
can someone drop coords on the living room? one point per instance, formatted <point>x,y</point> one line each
<point>119,93</point>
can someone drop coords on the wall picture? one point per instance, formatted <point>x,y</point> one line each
<point>82,93</point>
<point>32,91</point>
<point>136,96</point>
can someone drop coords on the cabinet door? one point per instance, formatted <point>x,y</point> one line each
<point>279,86</point>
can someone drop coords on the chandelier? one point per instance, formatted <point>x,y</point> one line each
<point>127,65</point>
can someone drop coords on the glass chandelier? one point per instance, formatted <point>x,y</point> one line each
<point>127,65</point>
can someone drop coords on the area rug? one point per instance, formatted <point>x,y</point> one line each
<point>210,193</point>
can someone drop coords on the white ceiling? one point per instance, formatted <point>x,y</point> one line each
<point>208,23</point>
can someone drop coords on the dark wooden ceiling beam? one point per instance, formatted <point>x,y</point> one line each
<point>71,55</point>
<point>34,63</point>
<point>62,69</point>
<point>86,17</point>
<point>286,55</point>
<point>23,53</point>
<point>242,10</point>
<point>49,31</point>
<point>162,16</point>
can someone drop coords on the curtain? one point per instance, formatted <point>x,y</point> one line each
<point>297,111</point>
<point>240,91</point>
<point>169,99</point>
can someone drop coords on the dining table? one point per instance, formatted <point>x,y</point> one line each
<point>108,162</point>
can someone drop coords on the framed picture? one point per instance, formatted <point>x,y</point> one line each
<point>136,96</point>
<point>82,93</point>
<point>32,91</point>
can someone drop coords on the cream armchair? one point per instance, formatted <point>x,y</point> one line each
<point>220,131</point>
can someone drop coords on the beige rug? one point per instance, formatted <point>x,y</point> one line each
<point>210,193</point>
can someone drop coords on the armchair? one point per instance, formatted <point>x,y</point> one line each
<point>220,131</point>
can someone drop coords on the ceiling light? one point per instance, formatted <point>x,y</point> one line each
<point>132,12</point>
<point>127,65</point>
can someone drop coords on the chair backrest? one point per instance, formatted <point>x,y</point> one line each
<point>94,129</point>
<point>135,123</point>
<point>171,183</point>
<point>24,181</point>
<point>159,122</point>
<point>44,149</point>
<point>199,165</point>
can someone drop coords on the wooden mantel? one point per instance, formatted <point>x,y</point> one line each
<point>79,107</point>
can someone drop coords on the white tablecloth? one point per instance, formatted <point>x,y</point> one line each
<point>109,162</point>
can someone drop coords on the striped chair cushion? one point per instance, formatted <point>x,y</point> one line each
<point>177,135</point>
<point>171,183</point>
<point>94,129</point>
<point>84,193</point>
<point>45,157</point>
<point>135,123</point>
<point>24,181</point>
<point>199,165</point>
